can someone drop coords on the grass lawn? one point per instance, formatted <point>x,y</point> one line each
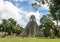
<point>18,39</point>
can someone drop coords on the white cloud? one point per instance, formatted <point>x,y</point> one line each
<point>45,6</point>
<point>26,17</point>
<point>36,14</point>
<point>21,0</point>
<point>56,22</point>
<point>32,1</point>
<point>8,10</point>
<point>59,23</point>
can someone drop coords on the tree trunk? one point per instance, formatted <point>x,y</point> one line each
<point>57,22</point>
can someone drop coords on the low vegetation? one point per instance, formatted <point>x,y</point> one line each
<point>18,39</point>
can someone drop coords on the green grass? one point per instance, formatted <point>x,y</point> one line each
<point>18,39</point>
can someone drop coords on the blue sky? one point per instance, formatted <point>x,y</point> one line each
<point>26,5</point>
<point>21,10</point>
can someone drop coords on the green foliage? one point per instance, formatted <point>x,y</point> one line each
<point>54,7</point>
<point>37,39</point>
<point>36,6</point>
<point>10,26</point>
<point>47,24</point>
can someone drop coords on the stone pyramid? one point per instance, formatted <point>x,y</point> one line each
<point>31,30</point>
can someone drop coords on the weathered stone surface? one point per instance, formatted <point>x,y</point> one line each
<point>31,30</point>
<point>3,34</point>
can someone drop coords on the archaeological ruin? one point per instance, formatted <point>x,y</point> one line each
<point>31,30</point>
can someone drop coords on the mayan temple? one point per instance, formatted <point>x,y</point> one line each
<point>31,30</point>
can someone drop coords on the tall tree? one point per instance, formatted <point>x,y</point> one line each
<point>55,10</point>
<point>48,25</point>
<point>54,6</point>
<point>38,4</point>
<point>4,25</point>
<point>11,26</point>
